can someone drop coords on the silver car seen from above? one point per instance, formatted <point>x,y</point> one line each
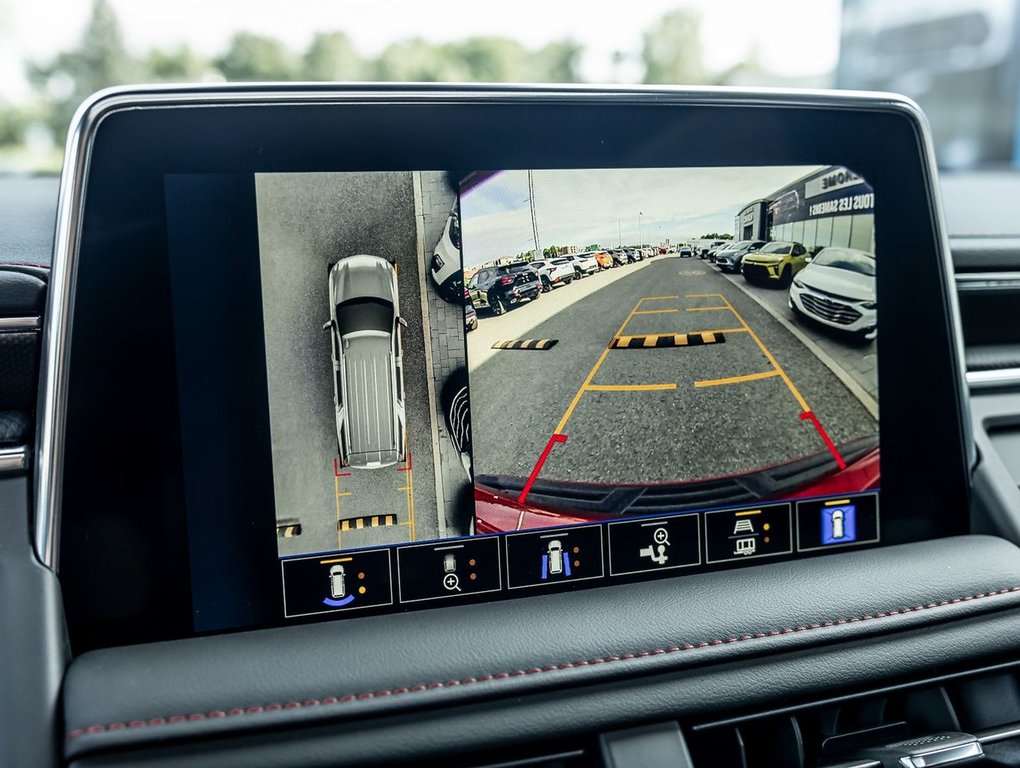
<point>365,346</point>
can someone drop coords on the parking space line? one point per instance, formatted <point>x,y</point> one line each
<point>654,311</point>
<point>619,341</point>
<point>736,379</point>
<point>336,483</point>
<point>598,364</point>
<point>705,309</point>
<point>410,498</point>
<point>765,350</point>
<point>629,387</point>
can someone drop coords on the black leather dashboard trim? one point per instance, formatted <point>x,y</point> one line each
<point>307,675</point>
<point>28,212</point>
<point>484,732</point>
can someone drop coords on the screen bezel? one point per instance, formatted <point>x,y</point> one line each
<point>112,205</point>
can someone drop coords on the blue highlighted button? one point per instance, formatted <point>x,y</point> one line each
<point>839,524</point>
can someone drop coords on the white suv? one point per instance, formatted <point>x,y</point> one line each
<point>553,272</point>
<point>583,263</point>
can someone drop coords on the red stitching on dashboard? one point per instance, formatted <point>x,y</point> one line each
<point>24,264</point>
<point>307,703</point>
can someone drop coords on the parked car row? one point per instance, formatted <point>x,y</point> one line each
<point>834,286</point>
<point>500,288</point>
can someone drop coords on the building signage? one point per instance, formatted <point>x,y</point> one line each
<point>830,181</point>
<point>833,192</point>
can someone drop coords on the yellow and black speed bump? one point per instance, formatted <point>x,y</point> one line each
<point>526,344</point>
<point>661,340</point>
<point>368,521</point>
<point>287,529</point>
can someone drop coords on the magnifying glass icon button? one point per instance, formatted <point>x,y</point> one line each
<point>451,582</point>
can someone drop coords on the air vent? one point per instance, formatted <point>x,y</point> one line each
<point>839,733</point>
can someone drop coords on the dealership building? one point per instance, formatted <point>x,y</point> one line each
<point>830,206</point>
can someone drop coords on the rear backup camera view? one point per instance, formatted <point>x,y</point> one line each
<point>362,341</point>
<point>659,340</point>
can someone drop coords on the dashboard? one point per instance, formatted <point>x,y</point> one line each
<point>549,429</point>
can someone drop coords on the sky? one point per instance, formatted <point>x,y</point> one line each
<point>582,207</point>
<point>794,38</point>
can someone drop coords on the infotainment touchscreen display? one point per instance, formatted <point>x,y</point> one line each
<point>524,379</point>
<point>381,349</point>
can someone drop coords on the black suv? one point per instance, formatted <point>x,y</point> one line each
<point>503,287</point>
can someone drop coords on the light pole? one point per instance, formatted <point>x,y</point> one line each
<point>640,240</point>
<point>534,216</point>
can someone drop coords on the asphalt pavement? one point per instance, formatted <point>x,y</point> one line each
<point>307,221</point>
<point>653,414</point>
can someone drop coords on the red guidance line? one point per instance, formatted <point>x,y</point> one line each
<point>556,438</point>
<point>805,415</point>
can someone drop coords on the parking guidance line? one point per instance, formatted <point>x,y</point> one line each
<point>736,379</point>
<point>336,483</point>
<point>765,350</point>
<point>598,364</point>
<point>629,387</point>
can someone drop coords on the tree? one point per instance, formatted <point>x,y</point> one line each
<point>13,124</point>
<point>257,57</point>
<point>671,49</point>
<point>179,64</point>
<point>478,59</point>
<point>99,61</point>
<point>417,60</point>
<point>551,251</point>
<point>332,56</point>
<point>490,59</point>
<point>556,62</point>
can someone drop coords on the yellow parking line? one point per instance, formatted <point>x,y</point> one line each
<point>629,387</point>
<point>723,330</point>
<point>655,311</point>
<point>775,364</point>
<point>704,296</point>
<point>336,483</point>
<point>704,309</point>
<point>736,379</point>
<point>598,363</point>
<point>656,298</point>
<point>345,493</point>
<point>412,532</point>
